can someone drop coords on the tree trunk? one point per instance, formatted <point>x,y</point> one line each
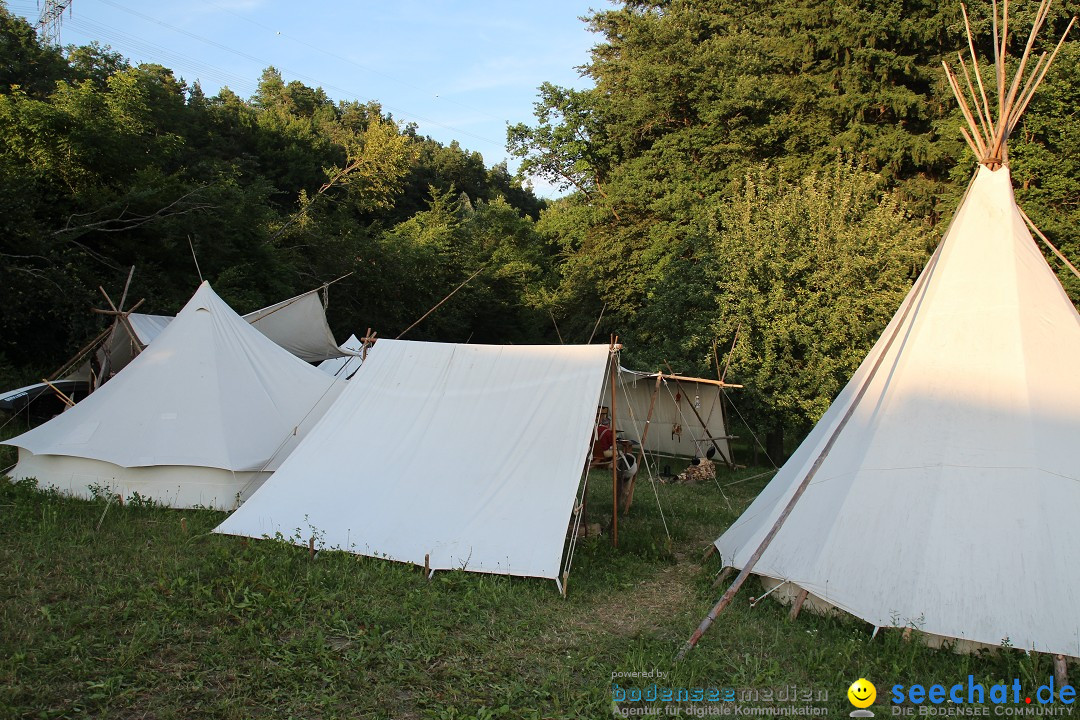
<point>774,445</point>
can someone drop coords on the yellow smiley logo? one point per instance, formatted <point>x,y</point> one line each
<point>862,693</point>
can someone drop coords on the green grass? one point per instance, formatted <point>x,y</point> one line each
<point>138,611</point>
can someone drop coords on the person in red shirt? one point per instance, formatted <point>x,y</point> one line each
<point>603,438</point>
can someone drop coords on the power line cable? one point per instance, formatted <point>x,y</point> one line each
<point>365,68</point>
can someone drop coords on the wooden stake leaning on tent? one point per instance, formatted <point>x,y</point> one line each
<point>439,304</point>
<point>1047,242</point>
<point>122,318</point>
<point>79,356</point>
<point>368,340</point>
<point>67,401</point>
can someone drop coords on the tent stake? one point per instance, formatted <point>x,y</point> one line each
<point>796,606</point>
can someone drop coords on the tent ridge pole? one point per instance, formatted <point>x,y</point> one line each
<point>614,365</point>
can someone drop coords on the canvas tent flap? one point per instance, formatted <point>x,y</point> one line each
<point>945,502</point>
<point>469,455</point>
<point>210,391</point>
<point>298,325</point>
<point>344,367</point>
<point>119,348</point>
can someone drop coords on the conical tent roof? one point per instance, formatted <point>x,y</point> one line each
<point>946,500</point>
<point>937,491</point>
<point>210,391</point>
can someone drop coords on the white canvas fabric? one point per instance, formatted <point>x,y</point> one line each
<point>298,325</point>
<point>468,454</point>
<point>209,392</point>
<point>119,346</point>
<point>344,367</point>
<point>947,502</point>
<point>674,428</point>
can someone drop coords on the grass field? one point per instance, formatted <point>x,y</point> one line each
<point>140,612</point>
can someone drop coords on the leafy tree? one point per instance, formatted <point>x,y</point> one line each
<point>808,272</point>
<point>24,61</point>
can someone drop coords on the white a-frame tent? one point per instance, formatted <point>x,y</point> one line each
<point>200,417</point>
<point>447,456</point>
<point>939,490</point>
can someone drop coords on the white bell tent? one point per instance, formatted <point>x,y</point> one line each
<point>200,417</point>
<point>450,456</point>
<point>939,490</point>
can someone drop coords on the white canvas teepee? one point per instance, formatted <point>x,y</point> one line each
<point>450,456</point>
<point>200,417</point>
<point>938,491</point>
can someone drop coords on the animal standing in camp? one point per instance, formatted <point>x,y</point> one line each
<point>950,458</point>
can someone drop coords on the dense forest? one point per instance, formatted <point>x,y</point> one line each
<point>772,172</point>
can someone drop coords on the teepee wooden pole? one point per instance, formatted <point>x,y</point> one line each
<point>978,71</point>
<point>1004,129</point>
<point>1001,64</point>
<point>1047,242</point>
<point>1027,98</point>
<point>981,149</point>
<point>984,121</point>
<point>997,56</point>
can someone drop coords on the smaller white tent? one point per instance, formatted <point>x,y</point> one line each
<point>687,413</point>
<point>297,324</point>
<point>454,456</point>
<point>198,418</point>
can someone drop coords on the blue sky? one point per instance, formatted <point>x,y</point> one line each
<point>461,70</point>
